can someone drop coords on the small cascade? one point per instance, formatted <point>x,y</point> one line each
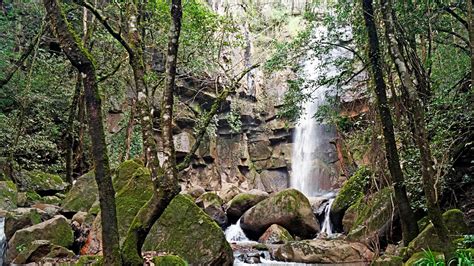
<point>234,233</point>
<point>3,239</point>
<point>327,226</point>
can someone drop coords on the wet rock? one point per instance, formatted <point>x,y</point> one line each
<point>387,260</point>
<point>8,195</point>
<point>49,209</point>
<point>82,195</point>
<point>250,258</point>
<point>187,231</point>
<point>324,251</point>
<point>288,208</point>
<point>242,202</point>
<point>275,234</point>
<point>57,231</point>
<point>211,203</point>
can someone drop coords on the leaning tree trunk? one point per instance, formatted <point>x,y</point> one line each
<point>420,135</point>
<point>470,17</point>
<point>407,219</point>
<point>83,61</point>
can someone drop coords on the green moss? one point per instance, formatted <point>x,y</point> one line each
<point>260,246</point>
<point>90,261</point>
<point>427,239</point>
<point>33,196</point>
<point>124,172</point>
<point>82,195</point>
<point>41,181</point>
<point>386,260</point>
<point>352,190</point>
<point>210,198</point>
<point>372,214</point>
<point>169,260</point>
<point>8,195</point>
<point>187,231</point>
<point>133,195</point>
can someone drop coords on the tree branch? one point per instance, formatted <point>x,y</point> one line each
<point>208,117</point>
<point>104,21</point>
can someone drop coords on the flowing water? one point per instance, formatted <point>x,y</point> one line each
<point>3,239</point>
<point>312,173</point>
<point>234,233</point>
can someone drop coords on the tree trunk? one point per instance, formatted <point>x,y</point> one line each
<point>129,134</point>
<point>70,131</point>
<point>83,61</point>
<point>470,17</point>
<point>407,219</point>
<point>420,136</point>
<point>165,179</point>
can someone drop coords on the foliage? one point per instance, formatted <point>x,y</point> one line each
<point>429,259</point>
<point>234,120</point>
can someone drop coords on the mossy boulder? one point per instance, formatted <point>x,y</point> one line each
<point>57,231</point>
<point>41,250</point>
<point>211,203</point>
<point>41,182</point>
<point>21,218</point>
<point>275,234</point>
<point>82,195</point>
<point>428,239</point>
<point>8,195</point>
<point>288,208</point>
<point>351,192</point>
<point>187,231</point>
<point>124,171</point>
<point>420,255</point>
<point>169,260</point>
<point>131,194</point>
<point>242,202</point>
<point>371,215</point>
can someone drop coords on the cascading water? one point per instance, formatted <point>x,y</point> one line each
<point>234,233</point>
<point>3,239</point>
<point>312,173</point>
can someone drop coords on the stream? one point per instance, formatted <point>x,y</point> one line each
<point>3,240</point>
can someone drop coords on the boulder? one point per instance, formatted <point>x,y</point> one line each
<point>275,180</point>
<point>372,215</point>
<point>21,218</point>
<point>169,260</point>
<point>57,231</point>
<point>8,195</point>
<point>195,191</point>
<point>275,234</point>
<point>82,195</point>
<point>41,182</point>
<point>38,250</point>
<point>131,195</point>
<point>228,192</point>
<point>428,239</point>
<point>324,251</point>
<point>186,230</point>
<point>212,205</point>
<point>350,193</point>
<point>90,261</point>
<point>242,202</point>
<point>288,208</point>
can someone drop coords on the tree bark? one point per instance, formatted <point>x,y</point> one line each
<point>407,219</point>
<point>470,13</point>
<point>83,61</point>
<point>420,135</point>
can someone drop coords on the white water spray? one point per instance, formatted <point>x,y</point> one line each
<point>3,239</point>
<point>234,233</point>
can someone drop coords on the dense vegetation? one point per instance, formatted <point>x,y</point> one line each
<point>67,66</point>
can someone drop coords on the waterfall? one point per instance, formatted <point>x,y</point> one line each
<point>313,172</point>
<point>327,226</point>
<point>234,233</point>
<point>3,239</point>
